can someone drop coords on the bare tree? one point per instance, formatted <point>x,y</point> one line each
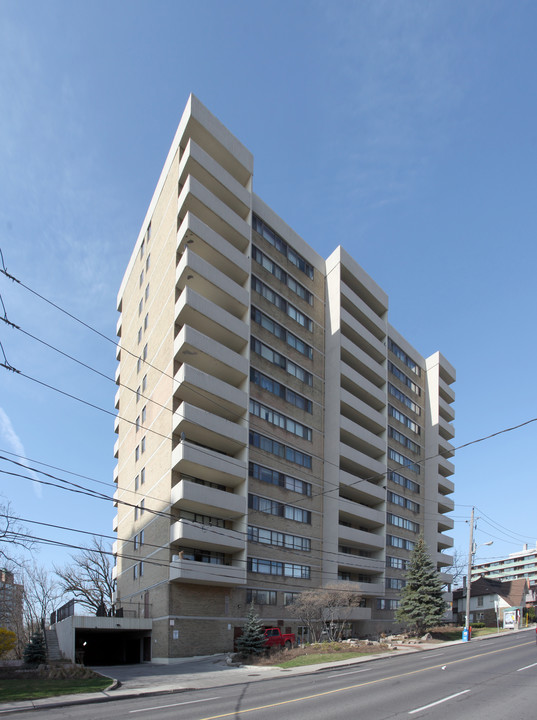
<point>326,612</point>
<point>42,593</point>
<point>459,567</point>
<point>89,578</point>
<point>14,538</point>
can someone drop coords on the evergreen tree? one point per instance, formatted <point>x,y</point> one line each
<point>422,605</point>
<point>252,640</point>
<point>35,653</point>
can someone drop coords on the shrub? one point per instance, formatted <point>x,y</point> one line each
<point>35,653</point>
<point>8,640</point>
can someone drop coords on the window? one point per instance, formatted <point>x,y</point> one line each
<point>273,386</point>
<point>146,321</point>
<point>141,569</point>
<point>402,522</point>
<point>146,294</point>
<point>404,399</point>
<point>395,583</point>
<point>400,375</point>
<point>139,335</point>
<point>144,353</point>
<point>135,542</point>
<point>290,597</point>
<point>144,383</point>
<point>142,507</point>
<point>397,563</point>
<point>387,604</point>
<point>136,482</point>
<point>144,413</point>
<point>137,452</point>
<point>404,440</point>
<point>277,478</point>
<point>280,450</point>
<point>404,419</point>
<point>282,421</point>
<point>142,248</point>
<point>141,278</point>
<point>273,297</point>
<point>280,332</point>
<point>280,273</point>
<point>273,507</point>
<point>137,423</point>
<point>148,233</point>
<point>403,501</point>
<point>281,361</point>
<point>480,601</point>
<point>402,460</point>
<point>147,262</point>
<point>403,481</point>
<point>401,354</point>
<point>276,567</point>
<point>400,542</point>
<point>142,476</point>
<point>280,245</point>
<point>141,536</point>
<point>138,393</point>
<point>134,572</point>
<point>138,364</point>
<point>140,306</point>
<point>136,512</point>
<point>278,539</point>
<point>261,597</point>
<point>143,445</point>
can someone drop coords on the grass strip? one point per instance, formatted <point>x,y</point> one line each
<point>316,658</point>
<point>14,690</point>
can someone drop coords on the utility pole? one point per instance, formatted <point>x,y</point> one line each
<point>469,575</point>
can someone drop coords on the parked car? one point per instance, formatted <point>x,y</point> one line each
<point>275,638</point>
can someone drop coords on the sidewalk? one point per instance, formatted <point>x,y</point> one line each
<point>197,673</point>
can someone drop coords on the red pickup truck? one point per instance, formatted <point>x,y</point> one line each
<point>275,638</point>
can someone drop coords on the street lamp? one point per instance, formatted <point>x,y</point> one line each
<point>471,552</point>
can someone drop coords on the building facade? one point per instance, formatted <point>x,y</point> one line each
<point>11,601</point>
<point>275,432</point>
<point>518,565</point>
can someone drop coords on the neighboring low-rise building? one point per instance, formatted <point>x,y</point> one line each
<point>11,597</point>
<point>489,600</point>
<point>522,564</point>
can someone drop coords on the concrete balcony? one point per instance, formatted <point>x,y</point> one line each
<point>362,312</point>
<point>448,486</point>
<point>360,387</point>
<point>367,589</point>
<point>445,467</point>
<point>444,542</point>
<point>445,579</point>
<point>196,311</point>
<point>116,424</point>
<point>115,523</point>
<point>209,245</point>
<point>446,393</point>
<point>347,614</point>
<point>119,325</point>
<point>445,503</point>
<point>359,564</point>
<point>445,523</point>
<point>354,512</point>
<point>362,413</point>
<point>200,426</point>
<point>445,448</point>
<point>207,501</point>
<point>116,449</point>
<point>361,490</point>
<point>118,352</point>
<point>196,273</point>
<point>360,538</point>
<point>210,356</point>
<point>361,337</point>
<point>198,163</point>
<point>445,429</point>
<point>117,375</point>
<point>199,573</point>
<point>360,463</point>
<point>208,465</point>
<point>115,474</point>
<point>207,392</point>
<point>115,497</point>
<point>361,438</point>
<point>206,537</point>
<point>442,560</point>
<point>445,410</point>
<point>114,547</point>
<point>196,198</point>
<point>362,363</point>
<point>114,572</point>
<point>116,399</point>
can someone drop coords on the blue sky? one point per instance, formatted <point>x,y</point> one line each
<point>407,132</point>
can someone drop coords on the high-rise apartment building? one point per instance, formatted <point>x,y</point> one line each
<point>517,566</point>
<point>275,433</point>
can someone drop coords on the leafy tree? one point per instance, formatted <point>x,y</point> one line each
<point>35,653</point>
<point>422,605</point>
<point>252,640</point>
<point>8,641</point>
<point>89,579</point>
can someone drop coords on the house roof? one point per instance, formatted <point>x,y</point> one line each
<point>512,591</point>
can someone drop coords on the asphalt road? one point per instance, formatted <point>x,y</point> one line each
<point>494,679</point>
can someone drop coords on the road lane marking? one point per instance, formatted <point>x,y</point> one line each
<point>430,655</point>
<point>358,685</point>
<point>162,707</point>
<point>526,667</point>
<point>350,672</point>
<point>438,702</point>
